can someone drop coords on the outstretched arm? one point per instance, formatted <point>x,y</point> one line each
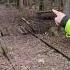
<point>62,20</point>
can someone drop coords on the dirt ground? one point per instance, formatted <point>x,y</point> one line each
<point>27,52</point>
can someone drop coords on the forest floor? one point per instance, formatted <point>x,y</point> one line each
<point>27,52</point>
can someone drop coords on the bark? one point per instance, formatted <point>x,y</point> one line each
<point>21,3</point>
<point>67,7</point>
<point>41,5</point>
<point>18,3</point>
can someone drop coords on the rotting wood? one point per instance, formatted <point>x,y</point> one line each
<point>33,34</point>
<point>28,24</point>
<point>45,15</point>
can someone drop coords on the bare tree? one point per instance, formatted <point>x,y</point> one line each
<point>41,5</point>
<point>67,6</point>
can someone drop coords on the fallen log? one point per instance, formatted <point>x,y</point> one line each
<point>45,15</point>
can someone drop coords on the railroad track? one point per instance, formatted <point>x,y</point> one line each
<point>47,44</point>
<point>6,56</point>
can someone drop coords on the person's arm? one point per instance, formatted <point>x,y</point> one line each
<point>62,20</point>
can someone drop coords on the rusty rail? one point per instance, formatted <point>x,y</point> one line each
<point>6,56</point>
<point>33,34</point>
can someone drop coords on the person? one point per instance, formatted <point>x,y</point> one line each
<point>63,20</point>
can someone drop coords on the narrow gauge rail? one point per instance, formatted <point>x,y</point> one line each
<point>6,56</point>
<point>47,44</point>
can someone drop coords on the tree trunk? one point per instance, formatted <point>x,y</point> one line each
<point>7,1</point>
<point>17,3</point>
<point>41,5</point>
<point>67,7</point>
<point>21,3</point>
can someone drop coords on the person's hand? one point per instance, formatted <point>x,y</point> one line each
<point>59,17</point>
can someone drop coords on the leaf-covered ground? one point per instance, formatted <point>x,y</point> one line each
<point>25,51</point>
